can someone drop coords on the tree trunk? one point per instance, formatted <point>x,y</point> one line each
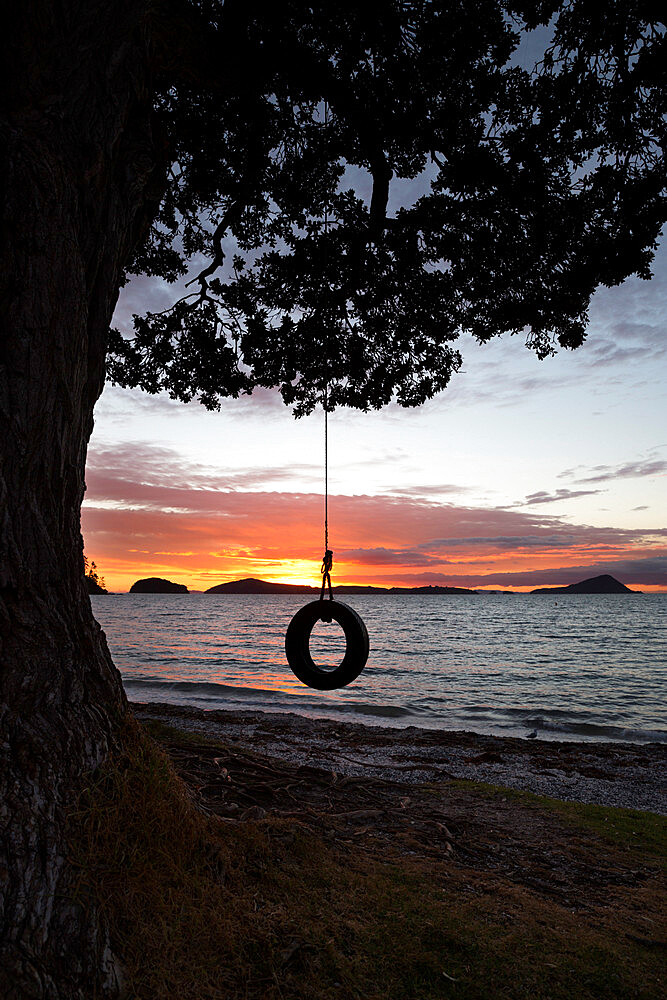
<point>78,172</point>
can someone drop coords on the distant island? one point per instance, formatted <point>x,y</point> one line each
<point>253,586</point>
<point>604,584</point>
<point>155,585</point>
<point>595,585</point>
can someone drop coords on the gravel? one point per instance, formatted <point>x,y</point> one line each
<point>627,775</point>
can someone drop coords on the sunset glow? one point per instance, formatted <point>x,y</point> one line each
<point>382,541</point>
<point>522,474</point>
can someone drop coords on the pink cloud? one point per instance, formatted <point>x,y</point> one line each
<point>147,512</point>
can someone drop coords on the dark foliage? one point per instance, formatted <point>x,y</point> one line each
<point>536,188</point>
<point>95,583</point>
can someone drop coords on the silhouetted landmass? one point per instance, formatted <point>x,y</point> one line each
<point>595,585</point>
<point>155,585</point>
<point>604,584</point>
<point>428,590</point>
<point>94,587</point>
<point>487,590</point>
<point>252,586</point>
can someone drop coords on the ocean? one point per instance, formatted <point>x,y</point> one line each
<point>578,667</point>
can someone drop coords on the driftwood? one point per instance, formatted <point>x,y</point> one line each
<point>239,785</point>
<point>488,834</point>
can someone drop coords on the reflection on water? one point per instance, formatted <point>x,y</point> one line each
<point>327,645</point>
<point>589,667</point>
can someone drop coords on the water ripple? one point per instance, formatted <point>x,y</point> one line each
<point>592,668</point>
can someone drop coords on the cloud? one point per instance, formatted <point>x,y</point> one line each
<point>625,342</point>
<point>158,477</point>
<point>648,572</point>
<point>566,539</point>
<point>445,489</point>
<point>624,350</point>
<point>542,496</point>
<point>629,470</point>
<point>388,557</point>
<point>626,336</point>
<point>118,405</point>
<point>551,533</point>
<point>149,512</point>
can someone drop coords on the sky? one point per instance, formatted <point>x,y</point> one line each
<point>521,474</point>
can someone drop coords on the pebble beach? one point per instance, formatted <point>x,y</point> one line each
<point>631,776</point>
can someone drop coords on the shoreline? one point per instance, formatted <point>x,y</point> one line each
<point>630,776</point>
<point>535,723</point>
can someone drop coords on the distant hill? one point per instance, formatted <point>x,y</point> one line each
<point>428,590</point>
<point>252,586</point>
<point>604,584</point>
<point>155,585</point>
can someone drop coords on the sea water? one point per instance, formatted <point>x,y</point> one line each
<point>584,667</point>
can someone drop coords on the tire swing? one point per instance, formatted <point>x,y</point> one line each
<point>297,638</point>
<point>299,630</point>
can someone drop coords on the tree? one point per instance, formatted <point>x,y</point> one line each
<point>139,138</point>
<point>94,582</point>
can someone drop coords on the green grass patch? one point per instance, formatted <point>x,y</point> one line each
<point>643,833</point>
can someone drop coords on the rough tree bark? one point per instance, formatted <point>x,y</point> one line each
<point>80,176</point>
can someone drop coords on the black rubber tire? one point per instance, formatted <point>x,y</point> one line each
<point>297,646</point>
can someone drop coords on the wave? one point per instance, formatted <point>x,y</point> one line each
<point>225,694</point>
<point>548,724</point>
<point>555,723</point>
<point>596,730</point>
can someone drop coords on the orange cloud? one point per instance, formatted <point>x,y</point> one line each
<point>147,514</point>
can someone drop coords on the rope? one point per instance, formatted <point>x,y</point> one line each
<point>327,559</point>
<point>326,468</point>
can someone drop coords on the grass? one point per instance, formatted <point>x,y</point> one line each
<point>200,909</point>
<point>642,833</point>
